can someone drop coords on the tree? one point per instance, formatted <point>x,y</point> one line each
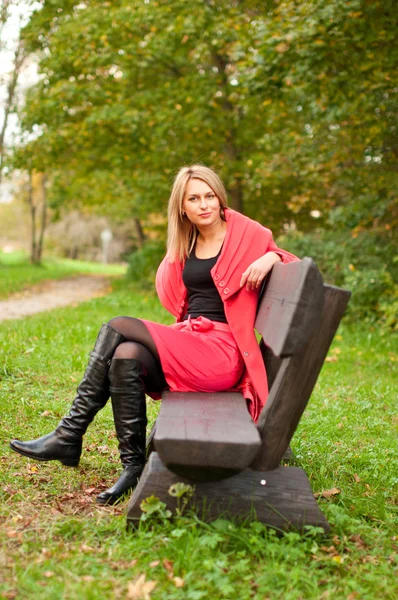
<point>9,80</point>
<point>37,202</point>
<point>291,101</point>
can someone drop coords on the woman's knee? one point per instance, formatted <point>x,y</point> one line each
<point>116,323</point>
<point>126,350</point>
<point>122,324</point>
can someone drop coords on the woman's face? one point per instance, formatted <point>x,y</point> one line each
<point>200,204</point>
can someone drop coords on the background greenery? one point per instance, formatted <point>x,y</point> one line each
<point>293,103</point>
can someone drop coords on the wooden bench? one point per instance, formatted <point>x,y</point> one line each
<point>210,441</point>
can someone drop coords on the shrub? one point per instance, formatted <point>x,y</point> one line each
<point>143,264</point>
<point>363,264</point>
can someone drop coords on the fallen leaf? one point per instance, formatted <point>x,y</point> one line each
<point>48,574</point>
<point>168,565</point>
<point>12,533</point>
<point>327,493</point>
<point>337,558</point>
<point>357,478</point>
<point>358,541</point>
<point>10,595</point>
<point>86,549</point>
<point>154,563</point>
<point>370,559</point>
<point>88,578</point>
<point>90,490</point>
<point>140,589</point>
<point>330,550</point>
<point>331,359</point>
<point>178,582</point>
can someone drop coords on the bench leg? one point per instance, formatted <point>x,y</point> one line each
<point>150,441</point>
<point>281,498</point>
<point>288,456</point>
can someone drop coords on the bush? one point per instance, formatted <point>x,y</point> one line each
<point>363,264</point>
<point>143,264</point>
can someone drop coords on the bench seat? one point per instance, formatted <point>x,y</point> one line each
<point>208,436</point>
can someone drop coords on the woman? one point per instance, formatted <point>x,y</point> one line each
<point>209,280</point>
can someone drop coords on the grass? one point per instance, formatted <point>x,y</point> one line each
<point>17,274</point>
<point>57,544</point>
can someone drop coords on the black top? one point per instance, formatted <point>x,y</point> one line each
<point>203,297</point>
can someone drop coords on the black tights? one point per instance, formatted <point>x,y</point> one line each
<point>140,345</point>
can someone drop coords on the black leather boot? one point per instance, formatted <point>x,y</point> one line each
<point>65,442</point>
<point>129,411</point>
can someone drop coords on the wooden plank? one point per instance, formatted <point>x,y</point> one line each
<point>294,383</point>
<point>208,436</point>
<point>282,498</point>
<point>290,307</point>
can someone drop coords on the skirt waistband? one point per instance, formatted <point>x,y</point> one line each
<point>201,324</point>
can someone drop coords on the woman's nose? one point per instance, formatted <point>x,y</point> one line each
<point>203,202</point>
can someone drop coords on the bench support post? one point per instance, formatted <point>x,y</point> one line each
<point>281,498</point>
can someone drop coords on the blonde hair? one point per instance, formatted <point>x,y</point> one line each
<point>181,234</point>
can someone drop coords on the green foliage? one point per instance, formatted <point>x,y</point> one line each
<point>365,264</point>
<point>183,492</point>
<point>154,509</point>
<point>143,264</point>
<point>293,103</point>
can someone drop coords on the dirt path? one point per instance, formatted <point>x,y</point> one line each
<point>53,294</point>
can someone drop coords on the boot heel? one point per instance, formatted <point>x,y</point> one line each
<point>69,462</point>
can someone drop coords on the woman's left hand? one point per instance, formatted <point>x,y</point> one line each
<point>258,270</point>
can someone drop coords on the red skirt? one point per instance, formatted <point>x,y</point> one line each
<point>197,355</point>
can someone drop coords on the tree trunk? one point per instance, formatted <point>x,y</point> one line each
<point>19,58</point>
<point>32,206</point>
<point>236,197</point>
<point>140,233</point>
<point>43,220</point>
<point>231,149</point>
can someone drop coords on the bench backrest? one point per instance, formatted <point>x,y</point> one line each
<point>298,316</point>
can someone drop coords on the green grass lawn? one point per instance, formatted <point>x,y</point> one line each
<point>17,274</point>
<point>57,544</point>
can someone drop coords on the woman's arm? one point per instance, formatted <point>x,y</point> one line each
<point>258,270</point>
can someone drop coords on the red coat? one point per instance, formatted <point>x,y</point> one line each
<point>245,242</point>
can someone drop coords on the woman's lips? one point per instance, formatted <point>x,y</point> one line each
<point>205,214</point>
